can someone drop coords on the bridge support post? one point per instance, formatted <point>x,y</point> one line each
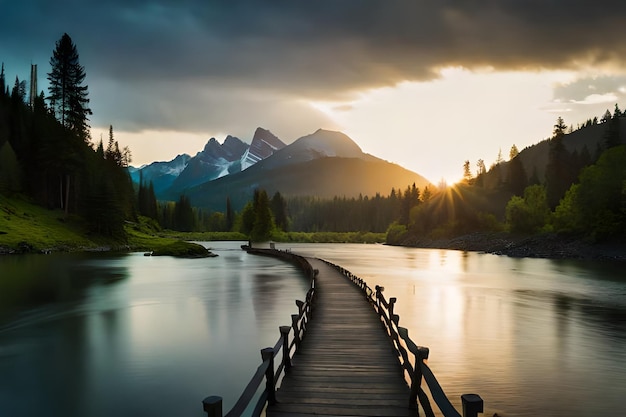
<point>296,331</point>
<point>284,332</point>
<point>472,405</point>
<point>379,294</point>
<point>268,354</point>
<point>212,406</point>
<point>392,302</point>
<point>417,393</point>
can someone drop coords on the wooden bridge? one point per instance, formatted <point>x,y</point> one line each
<point>347,357</point>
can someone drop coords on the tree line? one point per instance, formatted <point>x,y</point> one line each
<point>503,197</point>
<point>47,154</point>
<point>580,193</point>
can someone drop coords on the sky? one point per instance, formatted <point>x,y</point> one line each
<point>426,84</point>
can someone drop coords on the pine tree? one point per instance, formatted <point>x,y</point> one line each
<point>2,82</point>
<point>19,91</point>
<point>499,158</point>
<point>559,175</point>
<point>559,127</point>
<point>516,179</point>
<point>467,172</point>
<point>263,222</point>
<point>184,218</point>
<point>67,94</point>
<point>230,215</point>
<point>278,206</point>
<point>612,132</point>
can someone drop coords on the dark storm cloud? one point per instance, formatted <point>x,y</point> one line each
<point>312,49</point>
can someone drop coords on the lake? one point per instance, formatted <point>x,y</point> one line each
<point>126,335</point>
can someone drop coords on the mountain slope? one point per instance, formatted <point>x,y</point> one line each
<point>263,145</point>
<point>321,144</point>
<point>214,161</point>
<point>535,157</point>
<point>162,174</point>
<point>325,164</point>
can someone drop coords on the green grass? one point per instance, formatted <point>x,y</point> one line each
<point>182,249</point>
<point>330,237</point>
<point>27,225</point>
<point>24,223</point>
<point>204,236</point>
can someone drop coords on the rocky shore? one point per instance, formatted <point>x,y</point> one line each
<point>550,246</point>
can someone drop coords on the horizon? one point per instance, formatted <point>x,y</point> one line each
<point>425,86</point>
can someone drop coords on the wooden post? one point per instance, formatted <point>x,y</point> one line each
<point>379,293</point>
<point>472,405</point>
<point>296,331</point>
<point>392,301</point>
<point>284,332</point>
<point>268,354</point>
<point>423,353</point>
<point>300,305</point>
<point>212,406</point>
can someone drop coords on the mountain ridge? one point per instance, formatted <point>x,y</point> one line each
<point>322,164</point>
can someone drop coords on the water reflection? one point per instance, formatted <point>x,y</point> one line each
<point>133,335</point>
<point>532,336</point>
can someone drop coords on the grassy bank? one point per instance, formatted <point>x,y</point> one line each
<point>27,227</point>
<point>329,237</point>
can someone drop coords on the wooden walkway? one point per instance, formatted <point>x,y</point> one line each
<point>345,365</point>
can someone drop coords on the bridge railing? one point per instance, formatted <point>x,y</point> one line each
<point>267,370</point>
<point>412,357</point>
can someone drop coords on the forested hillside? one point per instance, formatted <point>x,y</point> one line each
<point>576,187</point>
<point>46,153</point>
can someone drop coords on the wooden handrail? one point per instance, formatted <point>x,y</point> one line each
<point>212,405</point>
<point>412,364</point>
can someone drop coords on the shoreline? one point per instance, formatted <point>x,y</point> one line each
<point>549,246</point>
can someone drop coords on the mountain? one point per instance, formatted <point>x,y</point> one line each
<point>162,174</point>
<point>263,145</point>
<point>214,161</point>
<point>324,164</point>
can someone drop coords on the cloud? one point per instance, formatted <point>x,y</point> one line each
<point>195,62</point>
<point>598,99</point>
<point>199,108</point>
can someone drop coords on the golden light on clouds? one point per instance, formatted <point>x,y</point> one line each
<point>433,127</point>
<point>429,127</point>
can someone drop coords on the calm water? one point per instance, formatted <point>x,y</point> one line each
<point>131,335</point>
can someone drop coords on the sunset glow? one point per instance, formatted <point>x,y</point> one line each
<point>428,86</point>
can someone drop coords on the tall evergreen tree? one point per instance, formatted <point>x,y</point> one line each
<point>516,179</point>
<point>230,215</point>
<point>67,94</point>
<point>558,171</point>
<point>279,210</point>
<point>612,133</point>
<point>152,202</point>
<point>263,222</point>
<point>2,81</point>
<point>467,172</point>
<point>184,218</point>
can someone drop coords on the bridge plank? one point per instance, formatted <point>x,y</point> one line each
<point>346,365</point>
